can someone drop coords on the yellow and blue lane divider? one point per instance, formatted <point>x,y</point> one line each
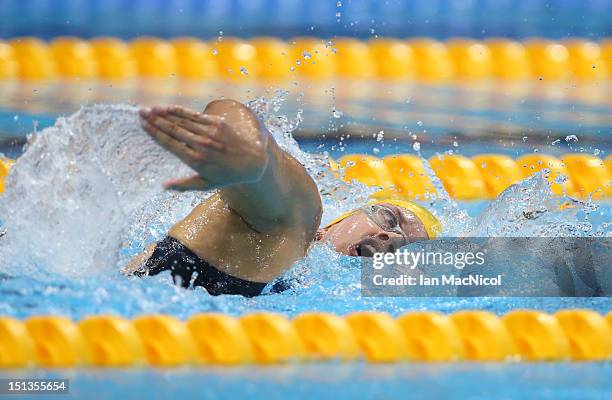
<point>5,166</point>
<point>483,176</point>
<point>268,58</point>
<point>269,338</point>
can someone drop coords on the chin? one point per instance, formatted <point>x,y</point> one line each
<point>350,250</point>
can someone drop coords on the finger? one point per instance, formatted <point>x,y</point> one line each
<point>148,112</point>
<point>195,116</point>
<point>182,151</point>
<point>195,182</point>
<point>178,132</point>
<point>206,135</point>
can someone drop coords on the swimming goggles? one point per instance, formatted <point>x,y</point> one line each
<point>386,219</point>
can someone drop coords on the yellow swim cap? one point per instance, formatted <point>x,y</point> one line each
<point>431,223</point>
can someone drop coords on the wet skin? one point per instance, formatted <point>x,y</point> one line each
<point>358,235</point>
<point>266,209</point>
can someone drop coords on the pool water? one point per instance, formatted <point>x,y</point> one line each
<point>90,185</point>
<point>346,381</point>
<point>86,196</point>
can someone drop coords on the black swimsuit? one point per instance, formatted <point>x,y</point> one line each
<point>170,254</point>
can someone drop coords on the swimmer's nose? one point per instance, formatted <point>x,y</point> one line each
<point>386,241</point>
<point>384,236</point>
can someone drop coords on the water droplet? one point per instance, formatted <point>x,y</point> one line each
<point>339,4</point>
<point>16,118</point>
<point>338,15</point>
<point>244,71</point>
<point>556,142</point>
<point>416,146</point>
<point>336,113</point>
<point>420,123</point>
<point>376,150</point>
<point>306,55</point>
<point>380,136</point>
<point>215,52</point>
<point>571,138</point>
<point>455,144</point>
<point>524,139</point>
<point>596,152</point>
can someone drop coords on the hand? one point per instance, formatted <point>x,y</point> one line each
<point>219,153</point>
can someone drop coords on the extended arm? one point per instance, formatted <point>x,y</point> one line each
<point>232,151</point>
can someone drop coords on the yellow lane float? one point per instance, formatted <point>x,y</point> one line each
<point>220,339</point>
<point>394,59</point>
<point>588,175</point>
<point>550,60</point>
<point>36,62</point>
<point>273,338</point>
<point>431,336</point>
<point>194,59</point>
<point>586,60</point>
<point>379,337</point>
<point>588,333</point>
<point>57,342</point>
<point>409,176</point>
<point>460,176</point>
<point>155,58</point>
<point>419,59</point>
<point>498,172</point>
<point>75,58</point>
<point>560,183</point>
<point>472,59</point>
<point>269,338</point>
<point>274,57</point>
<point>16,344</point>
<point>485,176</point>
<point>5,166</point>
<point>537,336</point>
<point>434,61</point>
<point>354,59</point>
<point>9,67</point>
<point>313,58</point>
<point>510,59</point>
<point>166,341</point>
<point>369,170</point>
<point>326,336</point>
<point>114,58</point>
<point>237,59</point>
<point>112,341</point>
<point>485,336</point>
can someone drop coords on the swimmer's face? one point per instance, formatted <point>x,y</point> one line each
<point>383,228</point>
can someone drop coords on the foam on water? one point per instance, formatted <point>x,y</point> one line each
<point>87,195</point>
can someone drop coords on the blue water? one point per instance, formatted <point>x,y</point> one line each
<point>559,381</point>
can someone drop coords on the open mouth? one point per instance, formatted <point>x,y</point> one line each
<point>363,250</point>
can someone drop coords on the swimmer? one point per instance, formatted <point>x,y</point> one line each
<point>266,210</point>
